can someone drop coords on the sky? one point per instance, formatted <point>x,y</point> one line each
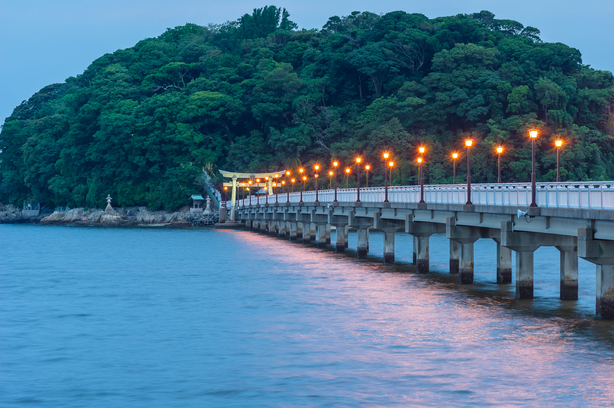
<point>46,41</point>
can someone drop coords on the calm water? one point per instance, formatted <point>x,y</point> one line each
<point>94,317</point>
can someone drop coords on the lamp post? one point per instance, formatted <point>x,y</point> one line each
<point>243,193</point>
<point>533,135</point>
<point>303,187</point>
<point>287,186</point>
<point>250,192</point>
<point>335,165</point>
<point>454,157</point>
<point>386,155</point>
<point>420,160</point>
<point>468,144</point>
<point>293,181</point>
<point>317,168</point>
<point>358,160</point>
<point>276,176</point>
<point>225,193</point>
<point>499,152</point>
<point>330,179</point>
<point>367,168</point>
<point>301,171</point>
<point>421,150</point>
<point>558,143</point>
<point>283,183</point>
<point>347,177</point>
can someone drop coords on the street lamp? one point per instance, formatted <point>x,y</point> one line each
<point>317,168</point>
<point>283,183</point>
<point>386,155</point>
<point>420,160</point>
<point>225,193</point>
<point>367,168</point>
<point>358,160</point>
<point>288,186</point>
<point>454,157</point>
<point>301,171</point>
<point>499,152</point>
<point>533,135</point>
<point>293,181</point>
<point>558,143</point>
<point>303,187</point>
<point>250,192</point>
<point>468,144</point>
<point>243,194</point>
<point>335,165</point>
<point>347,177</point>
<point>276,176</point>
<point>330,179</point>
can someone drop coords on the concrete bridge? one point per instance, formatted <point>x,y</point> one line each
<point>576,218</point>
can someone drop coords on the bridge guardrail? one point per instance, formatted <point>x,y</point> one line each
<point>587,195</point>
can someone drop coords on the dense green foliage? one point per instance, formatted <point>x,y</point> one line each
<point>258,94</point>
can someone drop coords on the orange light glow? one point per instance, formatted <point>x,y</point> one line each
<point>330,173</point>
<point>533,133</point>
<point>499,149</point>
<point>455,155</point>
<point>277,175</point>
<point>335,164</point>
<point>250,182</point>
<point>301,170</point>
<point>257,180</point>
<point>558,143</point>
<point>368,167</point>
<point>419,159</point>
<point>304,178</point>
<point>287,172</point>
<point>468,142</point>
<point>358,160</point>
<point>386,155</point>
<point>390,164</point>
<point>225,188</point>
<point>421,149</point>
<point>293,180</point>
<point>317,167</point>
<point>283,182</point>
<point>347,170</point>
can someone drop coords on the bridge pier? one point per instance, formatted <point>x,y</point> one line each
<point>569,272</point>
<point>465,273</point>
<point>293,231</point>
<point>347,234</point>
<point>601,253</point>
<point>454,257</point>
<point>299,230</point>
<point>389,234</point>
<point>363,242</point>
<point>524,275</point>
<point>415,248</point>
<point>504,264</point>
<point>313,232</point>
<point>604,302</point>
<point>421,232</point>
<point>321,238</point>
<point>328,234</point>
<point>281,232</point>
<point>466,237</point>
<point>341,238</point>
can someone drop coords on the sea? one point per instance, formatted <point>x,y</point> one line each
<point>155,317</point>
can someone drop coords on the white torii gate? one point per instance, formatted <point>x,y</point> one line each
<point>234,176</point>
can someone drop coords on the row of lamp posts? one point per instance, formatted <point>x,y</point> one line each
<point>389,164</point>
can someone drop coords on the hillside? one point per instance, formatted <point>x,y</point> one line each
<point>261,94</point>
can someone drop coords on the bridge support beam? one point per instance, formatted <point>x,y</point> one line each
<point>362,246</point>
<point>454,257</point>
<point>389,228</point>
<point>299,230</point>
<point>328,234</point>
<point>569,272</point>
<point>347,235</point>
<point>504,264</point>
<point>415,249</point>
<point>313,232</point>
<point>321,238</point>
<point>423,254</point>
<point>465,273</point>
<point>601,253</point>
<point>389,245</point>
<point>604,304</point>
<point>281,232</point>
<point>307,233</point>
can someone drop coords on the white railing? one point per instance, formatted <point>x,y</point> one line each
<point>589,195</point>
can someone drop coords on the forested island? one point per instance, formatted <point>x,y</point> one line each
<point>260,94</point>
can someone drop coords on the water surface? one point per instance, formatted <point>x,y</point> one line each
<point>97,317</point>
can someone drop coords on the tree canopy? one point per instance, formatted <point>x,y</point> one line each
<point>259,94</point>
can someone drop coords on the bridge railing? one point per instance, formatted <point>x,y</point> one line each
<point>589,195</point>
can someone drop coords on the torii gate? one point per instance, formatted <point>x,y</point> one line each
<point>249,176</point>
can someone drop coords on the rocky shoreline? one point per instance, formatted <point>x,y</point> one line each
<point>121,217</point>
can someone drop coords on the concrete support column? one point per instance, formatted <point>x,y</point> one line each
<point>524,275</point>
<point>363,242</point>
<point>293,231</point>
<point>569,274</point>
<point>605,291</point>
<point>465,273</point>
<point>321,238</point>
<point>307,233</point>
<point>347,234</point>
<point>504,264</point>
<point>415,255</point>
<point>341,238</point>
<point>248,224</point>
<point>389,246</point>
<point>454,257</point>
<point>299,230</point>
<point>422,254</point>
<point>313,232</point>
<point>281,233</point>
<point>272,227</point>
<point>327,234</point>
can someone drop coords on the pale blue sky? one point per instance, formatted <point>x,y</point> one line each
<point>47,41</point>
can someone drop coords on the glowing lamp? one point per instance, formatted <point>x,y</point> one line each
<point>386,155</point>
<point>468,142</point>
<point>358,160</point>
<point>455,155</point>
<point>499,149</point>
<point>421,150</point>
<point>558,143</point>
<point>390,164</point>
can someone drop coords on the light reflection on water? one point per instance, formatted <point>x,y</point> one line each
<point>133,317</point>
